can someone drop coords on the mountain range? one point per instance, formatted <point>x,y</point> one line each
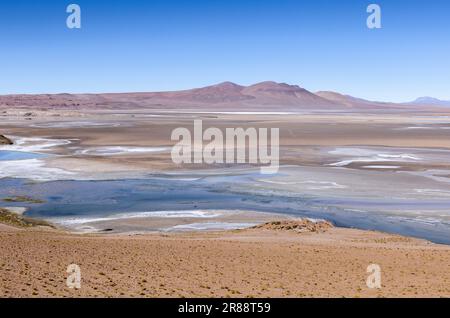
<point>226,96</point>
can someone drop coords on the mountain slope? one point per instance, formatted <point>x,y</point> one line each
<point>359,103</point>
<point>271,93</point>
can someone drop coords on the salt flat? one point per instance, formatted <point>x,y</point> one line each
<point>388,179</point>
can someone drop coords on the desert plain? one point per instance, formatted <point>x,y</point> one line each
<point>379,172</point>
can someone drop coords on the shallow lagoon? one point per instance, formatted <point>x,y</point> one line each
<point>94,199</point>
<point>6,155</point>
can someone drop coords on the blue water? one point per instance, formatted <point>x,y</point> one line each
<point>6,155</point>
<point>104,198</point>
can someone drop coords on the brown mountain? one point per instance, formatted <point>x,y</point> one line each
<point>230,95</point>
<point>220,93</point>
<point>265,96</point>
<point>221,96</point>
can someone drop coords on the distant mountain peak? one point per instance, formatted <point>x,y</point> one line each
<point>275,88</point>
<point>228,85</point>
<point>427,100</point>
<point>272,84</point>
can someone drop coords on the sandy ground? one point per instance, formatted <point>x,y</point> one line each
<point>240,263</point>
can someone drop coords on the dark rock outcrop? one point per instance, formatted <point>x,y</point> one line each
<point>5,141</point>
<point>299,226</point>
<point>10,218</point>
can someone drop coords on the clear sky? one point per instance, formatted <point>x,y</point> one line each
<point>177,44</point>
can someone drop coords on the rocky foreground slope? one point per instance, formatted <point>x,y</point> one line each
<point>246,263</point>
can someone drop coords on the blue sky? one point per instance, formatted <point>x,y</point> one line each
<point>172,44</point>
